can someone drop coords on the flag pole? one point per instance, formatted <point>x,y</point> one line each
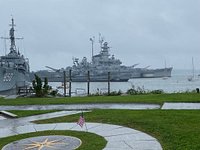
<point>85,123</point>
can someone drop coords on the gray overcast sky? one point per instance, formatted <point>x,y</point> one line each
<point>139,31</point>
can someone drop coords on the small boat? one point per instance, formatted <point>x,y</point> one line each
<point>62,86</point>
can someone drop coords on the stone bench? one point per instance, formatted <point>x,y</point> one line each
<point>8,114</point>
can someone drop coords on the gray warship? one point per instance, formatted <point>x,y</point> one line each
<point>14,68</point>
<point>99,67</point>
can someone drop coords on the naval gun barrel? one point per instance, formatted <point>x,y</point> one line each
<point>56,70</point>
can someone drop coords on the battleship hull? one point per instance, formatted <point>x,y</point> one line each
<point>11,80</point>
<point>114,76</point>
<point>59,77</point>
<point>155,73</point>
<point>98,68</point>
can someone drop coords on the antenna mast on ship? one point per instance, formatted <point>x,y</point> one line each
<point>12,38</point>
<point>101,39</point>
<point>92,41</point>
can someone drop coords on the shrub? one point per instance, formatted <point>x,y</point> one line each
<point>139,91</point>
<point>40,89</point>
<point>54,92</point>
<point>136,91</point>
<point>157,92</point>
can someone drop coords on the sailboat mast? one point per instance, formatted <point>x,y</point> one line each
<point>192,67</point>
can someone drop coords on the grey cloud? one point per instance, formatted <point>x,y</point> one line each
<point>139,31</point>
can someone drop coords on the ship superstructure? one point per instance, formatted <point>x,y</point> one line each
<point>14,68</point>
<point>99,67</point>
<point>103,63</point>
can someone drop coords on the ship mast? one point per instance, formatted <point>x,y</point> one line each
<point>101,39</point>
<point>12,37</point>
<point>92,41</point>
<point>13,49</point>
<point>192,67</point>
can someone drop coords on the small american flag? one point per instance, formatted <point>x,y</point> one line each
<point>81,120</point>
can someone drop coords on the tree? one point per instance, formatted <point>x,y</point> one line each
<point>37,86</point>
<point>46,87</point>
<point>40,90</point>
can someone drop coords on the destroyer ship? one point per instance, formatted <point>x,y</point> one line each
<point>99,67</point>
<point>14,68</point>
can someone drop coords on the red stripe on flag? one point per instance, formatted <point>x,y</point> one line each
<point>81,121</point>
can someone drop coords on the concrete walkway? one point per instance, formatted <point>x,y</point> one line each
<point>132,106</point>
<point>6,123</point>
<point>118,137</point>
<point>2,117</point>
<point>181,106</point>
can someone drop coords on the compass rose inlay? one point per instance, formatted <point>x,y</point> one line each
<point>43,144</point>
<point>56,142</point>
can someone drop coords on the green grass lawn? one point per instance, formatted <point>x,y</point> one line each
<point>149,98</point>
<point>90,141</point>
<point>175,129</point>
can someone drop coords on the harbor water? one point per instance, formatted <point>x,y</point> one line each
<point>177,83</point>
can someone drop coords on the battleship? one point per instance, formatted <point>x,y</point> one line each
<point>103,67</point>
<point>14,67</point>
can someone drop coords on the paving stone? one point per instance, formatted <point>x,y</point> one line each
<point>134,136</point>
<point>180,106</point>
<point>120,144</point>
<point>116,148</point>
<point>6,133</point>
<point>143,145</point>
<point>2,117</point>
